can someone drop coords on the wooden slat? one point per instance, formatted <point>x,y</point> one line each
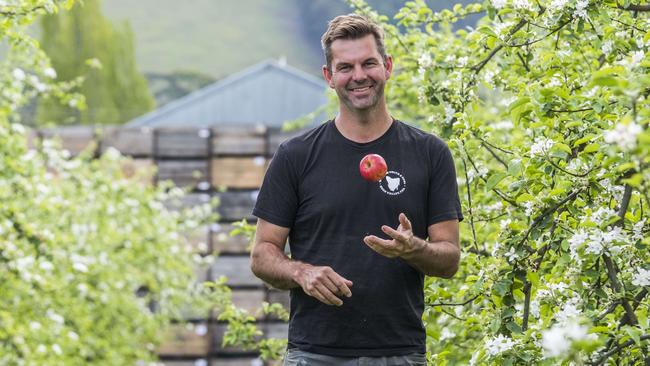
<point>238,172</point>
<point>276,330</point>
<point>129,141</point>
<point>178,143</point>
<point>236,269</point>
<point>185,340</point>
<point>142,169</point>
<point>73,138</point>
<point>239,140</point>
<point>235,206</point>
<point>183,173</point>
<point>223,242</point>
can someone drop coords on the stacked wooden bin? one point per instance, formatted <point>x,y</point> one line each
<point>224,162</point>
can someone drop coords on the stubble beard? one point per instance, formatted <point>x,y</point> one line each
<point>365,104</point>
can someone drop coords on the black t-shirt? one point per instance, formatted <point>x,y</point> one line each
<point>313,186</point>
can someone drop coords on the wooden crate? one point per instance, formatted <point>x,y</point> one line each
<point>236,205</point>
<point>199,239</point>
<point>187,201</point>
<point>249,300</point>
<point>276,137</point>
<point>183,173</point>
<point>186,340</point>
<point>238,172</point>
<point>239,140</point>
<point>223,242</point>
<point>179,143</point>
<point>73,138</point>
<point>129,141</point>
<point>280,297</point>
<point>231,361</point>
<point>237,270</point>
<point>143,170</point>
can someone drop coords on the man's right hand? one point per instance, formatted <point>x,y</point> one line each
<point>323,283</point>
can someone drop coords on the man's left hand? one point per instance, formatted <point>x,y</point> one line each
<point>403,241</point>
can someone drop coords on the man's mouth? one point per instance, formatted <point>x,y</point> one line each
<point>360,89</point>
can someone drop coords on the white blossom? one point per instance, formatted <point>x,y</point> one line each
<point>57,349</point>
<point>557,5</point>
<point>637,57</point>
<point>446,334</point>
<point>522,4</point>
<point>641,278</point>
<point>581,9</point>
<point>18,74</point>
<point>50,73</point>
<point>607,47</point>
<point>425,60</point>
<point>499,344</point>
<point>602,215</point>
<point>499,3</point>
<point>623,135</point>
<point>55,317</point>
<point>541,146</point>
<point>41,348</point>
<point>637,230</point>
<point>557,340</point>
<point>569,311</point>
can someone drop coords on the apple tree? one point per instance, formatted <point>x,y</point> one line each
<point>546,106</point>
<point>93,264</point>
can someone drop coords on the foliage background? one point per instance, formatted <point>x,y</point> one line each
<point>545,105</point>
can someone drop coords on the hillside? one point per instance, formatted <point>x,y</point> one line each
<point>217,38</point>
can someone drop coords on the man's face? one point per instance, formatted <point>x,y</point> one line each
<point>358,73</point>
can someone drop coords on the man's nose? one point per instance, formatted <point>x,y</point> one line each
<point>359,74</point>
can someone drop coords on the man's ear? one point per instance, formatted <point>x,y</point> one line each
<point>388,63</point>
<point>327,75</point>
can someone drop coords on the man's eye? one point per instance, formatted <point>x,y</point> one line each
<point>344,68</point>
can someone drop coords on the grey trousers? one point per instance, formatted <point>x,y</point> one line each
<point>296,357</point>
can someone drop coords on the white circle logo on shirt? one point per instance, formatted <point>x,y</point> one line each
<point>393,183</point>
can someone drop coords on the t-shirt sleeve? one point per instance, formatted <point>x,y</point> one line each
<point>444,203</point>
<point>277,201</point>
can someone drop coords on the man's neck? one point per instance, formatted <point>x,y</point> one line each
<point>363,127</point>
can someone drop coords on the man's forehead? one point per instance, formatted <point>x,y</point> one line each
<point>345,50</point>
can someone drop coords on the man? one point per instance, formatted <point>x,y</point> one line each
<point>358,249</point>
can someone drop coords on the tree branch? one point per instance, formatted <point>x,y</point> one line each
<point>455,304</point>
<point>618,348</point>
<point>633,7</point>
<point>469,202</point>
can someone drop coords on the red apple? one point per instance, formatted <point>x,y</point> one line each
<point>373,167</point>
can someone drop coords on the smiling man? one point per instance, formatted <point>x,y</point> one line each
<point>359,249</point>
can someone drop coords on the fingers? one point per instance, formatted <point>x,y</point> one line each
<point>406,223</point>
<point>326,285</point>
<point>381,246</point>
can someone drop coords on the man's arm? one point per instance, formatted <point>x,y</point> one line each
<point>439,256</point>
<point>269,263</point>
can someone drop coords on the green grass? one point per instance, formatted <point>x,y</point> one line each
<point>214,37</point>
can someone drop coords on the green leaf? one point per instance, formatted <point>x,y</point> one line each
<point>591,148</point>
<point>533,277</point>
<point>583,140</point>
<point>525,197</point>
<point>494,180</point>
<point>514,167</point>
<point>513,327</point>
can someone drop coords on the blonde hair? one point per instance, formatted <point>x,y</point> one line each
<point>351,26</point>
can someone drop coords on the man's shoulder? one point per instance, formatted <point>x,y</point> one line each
<point>418,135</point>
<point>303,139</point>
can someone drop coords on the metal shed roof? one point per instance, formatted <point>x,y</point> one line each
<point>267,93</point>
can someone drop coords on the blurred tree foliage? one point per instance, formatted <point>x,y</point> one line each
<point>82,42</point>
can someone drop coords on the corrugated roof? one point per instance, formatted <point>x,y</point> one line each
<point>267,93</point>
